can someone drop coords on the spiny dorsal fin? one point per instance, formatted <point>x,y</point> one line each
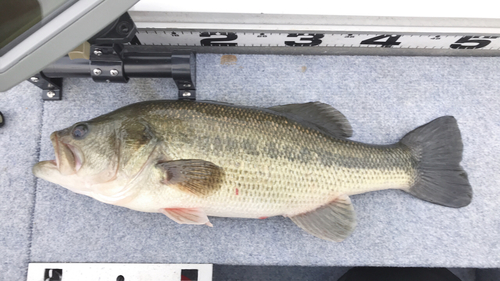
<point>194,175</point>
<point>324,116</point>
<point>334,222</point>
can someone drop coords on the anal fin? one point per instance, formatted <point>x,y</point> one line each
<point>334,222</point>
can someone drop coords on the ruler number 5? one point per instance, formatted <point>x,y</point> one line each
<point>466,41</point>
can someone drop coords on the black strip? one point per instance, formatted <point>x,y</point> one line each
<point>189,274</point>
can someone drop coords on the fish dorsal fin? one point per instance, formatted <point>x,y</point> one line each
<point>186,215</point>
<point>324,116</point>
<point>335,221</point>
<point>194,175</point>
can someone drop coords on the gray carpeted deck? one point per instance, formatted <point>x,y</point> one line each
<point>383,98</point>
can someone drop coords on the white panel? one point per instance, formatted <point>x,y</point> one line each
<point>110,271</point>
<point>390,8</point>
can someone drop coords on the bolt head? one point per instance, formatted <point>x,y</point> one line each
<point>97,52</point>
<point>113,72</point>
<point>186,94</point>
<point>50,94</point>
<point>97,71</point>
<point>124,27</point>
<point>34,79</point>
<point>186,85</point>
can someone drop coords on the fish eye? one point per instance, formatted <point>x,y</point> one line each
<point>80,131</point>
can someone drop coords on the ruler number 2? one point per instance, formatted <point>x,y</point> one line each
<point>472,42</point>
<point>229,36</point>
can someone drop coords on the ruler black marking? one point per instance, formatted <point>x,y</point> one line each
<point>322,40</point>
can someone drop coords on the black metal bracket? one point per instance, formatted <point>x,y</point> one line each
<point>106,59</point>
<point>121,31</point>
<point>106,64</point>
<point>184,74</point>
<point>51,87</point>
<point>115,56</point>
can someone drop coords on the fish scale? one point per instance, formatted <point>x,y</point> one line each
<point>219,132</point>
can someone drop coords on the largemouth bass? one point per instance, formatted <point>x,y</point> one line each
<point>190,160</point>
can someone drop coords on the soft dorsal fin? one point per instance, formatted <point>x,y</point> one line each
<point>324,116</point>
<point>196,176</point>
<point>334,221</point>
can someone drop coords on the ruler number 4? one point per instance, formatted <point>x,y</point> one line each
<point>385,41</point>
<point>472,42</point>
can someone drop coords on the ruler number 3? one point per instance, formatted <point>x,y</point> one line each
<point>310,39</point>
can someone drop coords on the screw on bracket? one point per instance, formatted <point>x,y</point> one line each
<point>50,94</point>
<point>97,71</point>
<point>34,79</point>
<point>113,72</point>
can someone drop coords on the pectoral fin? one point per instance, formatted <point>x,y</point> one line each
<point>196,176</point>
<point>187,215</point>
<point>335,221</point>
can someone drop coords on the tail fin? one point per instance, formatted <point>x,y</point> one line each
<point>437,147</point>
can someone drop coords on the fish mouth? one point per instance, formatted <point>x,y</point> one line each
<point>69,159</point>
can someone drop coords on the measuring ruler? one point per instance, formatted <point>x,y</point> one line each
<point>322,41</point>
<point>309,34</point>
